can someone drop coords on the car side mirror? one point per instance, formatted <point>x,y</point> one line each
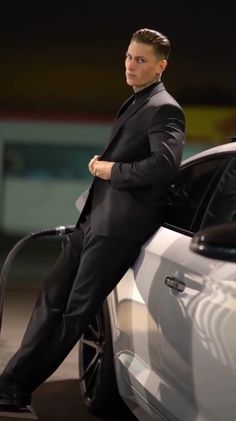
<point>216,242</point>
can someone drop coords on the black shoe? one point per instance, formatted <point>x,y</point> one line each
<point>13,403</point>
<point>12,400</point>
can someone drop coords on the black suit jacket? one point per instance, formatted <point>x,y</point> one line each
<point>146,144</point>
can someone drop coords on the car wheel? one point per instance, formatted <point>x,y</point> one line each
<point>96,366</point>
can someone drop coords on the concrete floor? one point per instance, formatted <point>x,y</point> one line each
<point>58,398</point>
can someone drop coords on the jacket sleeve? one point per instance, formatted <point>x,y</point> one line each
<point>166,140</point>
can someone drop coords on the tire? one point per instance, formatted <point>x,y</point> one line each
<point>98,386</point>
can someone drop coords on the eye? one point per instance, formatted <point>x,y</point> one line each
<point>128,56</point>
<point>140,60</point>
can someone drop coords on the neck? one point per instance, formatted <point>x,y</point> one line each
<point>139,88</point>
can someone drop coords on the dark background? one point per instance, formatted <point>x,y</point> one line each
<point>69,58</point>
<point>65,59</point>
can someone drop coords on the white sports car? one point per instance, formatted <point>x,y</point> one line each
<point>164,340</point>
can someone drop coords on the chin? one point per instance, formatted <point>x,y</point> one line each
<point>129,82</point>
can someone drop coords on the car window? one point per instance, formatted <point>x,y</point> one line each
<point>222,206</point>
<point>191,194</point>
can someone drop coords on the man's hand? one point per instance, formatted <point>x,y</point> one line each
<point>101,169</point>
<point>91,164</point>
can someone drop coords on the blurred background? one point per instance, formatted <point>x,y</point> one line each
<point>61,83</point>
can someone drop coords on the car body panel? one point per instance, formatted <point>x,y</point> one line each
<point>175,351</point>
<point>227,148</point>
<point>164,342</point>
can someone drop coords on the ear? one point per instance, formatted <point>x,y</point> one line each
<point>162,65</point>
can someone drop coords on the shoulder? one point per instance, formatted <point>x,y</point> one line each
<point>163,103</point>
<point>162,98</point>
<point>165,109</point>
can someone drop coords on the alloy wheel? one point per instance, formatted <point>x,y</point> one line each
<point>91,357</point>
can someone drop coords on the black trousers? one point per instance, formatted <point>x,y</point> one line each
<point>86,272</point>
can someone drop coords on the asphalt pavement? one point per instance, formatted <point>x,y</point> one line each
<point>59,397</point>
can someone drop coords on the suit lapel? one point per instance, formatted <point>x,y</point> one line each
<point>132,109</point>
<point>124,106</point>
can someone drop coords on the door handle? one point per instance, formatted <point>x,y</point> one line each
<point>175,284</point>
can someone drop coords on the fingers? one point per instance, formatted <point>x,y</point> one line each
<point>95,158</point>
<point>102,169</point>
<point>96,166</point>
<point>91,164</point>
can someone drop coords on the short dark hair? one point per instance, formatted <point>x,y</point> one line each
<point>159,41</point>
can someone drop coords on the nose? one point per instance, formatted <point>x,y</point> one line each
<point>130,64</point>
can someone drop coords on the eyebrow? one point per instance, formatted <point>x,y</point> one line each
<point>143,57</point>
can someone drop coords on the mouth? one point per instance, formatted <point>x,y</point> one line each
<point>130,76</point>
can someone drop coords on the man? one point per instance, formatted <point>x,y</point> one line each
<point>126,204</point>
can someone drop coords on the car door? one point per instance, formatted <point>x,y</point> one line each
<point>165,298</point>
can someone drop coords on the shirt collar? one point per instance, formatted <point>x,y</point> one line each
<point>144,91</point>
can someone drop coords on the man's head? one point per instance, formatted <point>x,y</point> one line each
<point>146,57</point>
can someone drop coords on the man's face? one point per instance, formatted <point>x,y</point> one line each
<point>142,66</point>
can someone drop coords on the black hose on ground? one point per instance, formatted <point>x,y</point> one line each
<point>60,231</point>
